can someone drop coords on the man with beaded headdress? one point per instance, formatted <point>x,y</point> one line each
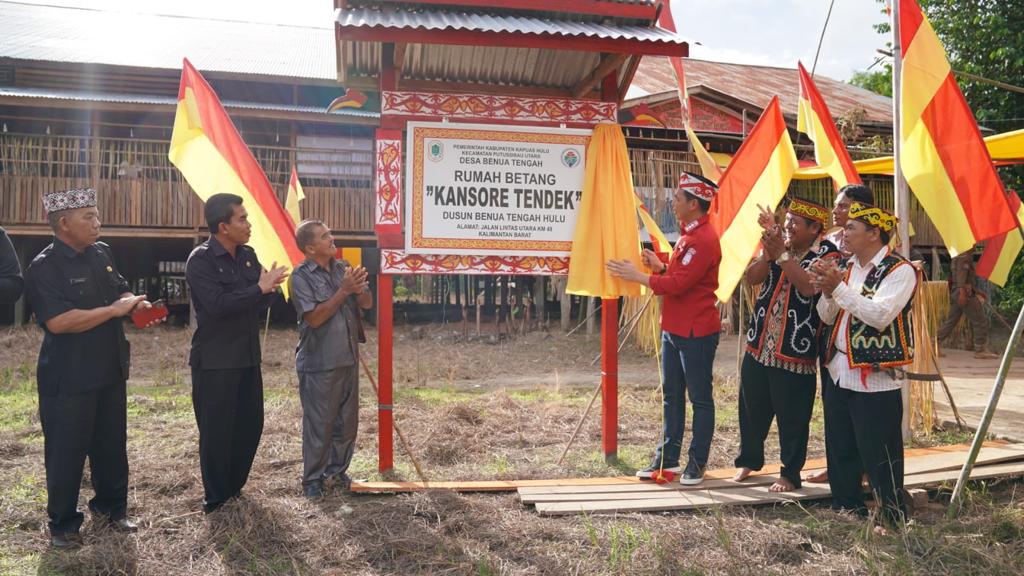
<point>778,374</point>
<point>869,341</point>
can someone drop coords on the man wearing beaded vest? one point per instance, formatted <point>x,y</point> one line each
<point>867,307</point>
<point>777,378</point>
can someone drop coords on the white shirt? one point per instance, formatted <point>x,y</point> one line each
<point>878,312</point>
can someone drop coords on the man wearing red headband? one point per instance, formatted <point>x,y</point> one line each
<point>690,324</point>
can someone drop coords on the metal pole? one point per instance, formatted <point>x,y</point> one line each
<point>900,191</point>
<point>986,418</point>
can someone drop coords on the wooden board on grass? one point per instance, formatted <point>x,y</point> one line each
<point>513,485</point>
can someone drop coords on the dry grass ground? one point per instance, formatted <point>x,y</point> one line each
<point>471,410</point>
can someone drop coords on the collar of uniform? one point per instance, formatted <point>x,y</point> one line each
<point>875,261</point>
<point>217,247</point>
<point>695,224</point>
<point>310,265</point>
<point>65,249</point>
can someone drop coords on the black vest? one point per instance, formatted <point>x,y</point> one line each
<point>872,348</point>
<point>800,322</point>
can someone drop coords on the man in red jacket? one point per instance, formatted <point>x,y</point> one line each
<point>690,324</point>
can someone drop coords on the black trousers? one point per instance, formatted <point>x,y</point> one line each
<point>864,434</point>
<point>773,393</point>
<point>229,412</point>
<point>92,424</point>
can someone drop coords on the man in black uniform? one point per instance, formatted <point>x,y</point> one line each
<point>229,288</point>
<point>79,299</point>
<point>11,283</point>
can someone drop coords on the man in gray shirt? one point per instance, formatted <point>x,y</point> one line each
<point>327,295</point>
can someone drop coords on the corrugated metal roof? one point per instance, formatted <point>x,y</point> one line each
<point>75,96</point>
<point>88,36</point>
<point>758,84</point>
<point>497,23</point>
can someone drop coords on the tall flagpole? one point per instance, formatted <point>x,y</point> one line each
<point>900,190</point>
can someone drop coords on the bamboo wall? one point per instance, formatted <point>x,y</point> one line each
<point>140,188</point>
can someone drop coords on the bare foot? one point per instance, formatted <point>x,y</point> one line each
<point>783,485</point>
<point>819,477</point>
<point>741,475</point>
<point>986,355</point>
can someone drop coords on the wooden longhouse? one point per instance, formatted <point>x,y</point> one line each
<point>87,98</point>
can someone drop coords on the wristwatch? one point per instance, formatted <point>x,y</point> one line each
<point>783,258</point>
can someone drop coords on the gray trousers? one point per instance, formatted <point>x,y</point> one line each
<point>975,312</point>
<point>330,421</point>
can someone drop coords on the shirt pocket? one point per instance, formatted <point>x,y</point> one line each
<point>322,289</point>
<point>80,290</point>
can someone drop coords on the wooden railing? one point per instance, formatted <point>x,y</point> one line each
<point>138,187</point>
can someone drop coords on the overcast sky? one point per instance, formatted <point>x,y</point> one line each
<point>770,32</point>
<point>779,32</point>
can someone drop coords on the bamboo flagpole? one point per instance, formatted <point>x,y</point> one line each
<point>900,188</point>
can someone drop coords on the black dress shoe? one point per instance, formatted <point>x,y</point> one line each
<point>124,525</point>
<point>313,491</point>
<point>65,540</point>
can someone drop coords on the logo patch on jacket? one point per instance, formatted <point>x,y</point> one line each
<point>690,253</point>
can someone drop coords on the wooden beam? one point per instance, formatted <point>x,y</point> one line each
<point>627,77</point>
<point>637,10</point>
<point>399,60</point>
<point>339,53</point>
<point>607,64</point>
<point>512,40</point>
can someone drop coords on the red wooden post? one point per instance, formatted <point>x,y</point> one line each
<point>610,378</point>
<point>385,399</point>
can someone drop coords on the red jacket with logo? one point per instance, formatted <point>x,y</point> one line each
<point>688,308</point>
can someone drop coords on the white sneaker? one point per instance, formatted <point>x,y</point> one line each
<point>648,472</point>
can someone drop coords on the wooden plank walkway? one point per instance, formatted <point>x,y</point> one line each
<point>921,470</point>
<point>513,485</point>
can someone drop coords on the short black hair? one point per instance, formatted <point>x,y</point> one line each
<point>705,205</point>
<point>858,193</point>
<point>884,236</point>
<point>305,233</point>
<point>219,208</point>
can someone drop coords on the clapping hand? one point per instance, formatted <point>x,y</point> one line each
<point>271,279</point>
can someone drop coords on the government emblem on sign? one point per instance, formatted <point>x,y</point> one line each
<point>570,158</point>
<point>435,150</point>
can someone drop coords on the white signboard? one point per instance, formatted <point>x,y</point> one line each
<point>493,190</point>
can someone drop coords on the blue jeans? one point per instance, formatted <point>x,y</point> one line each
<point>686,368</point>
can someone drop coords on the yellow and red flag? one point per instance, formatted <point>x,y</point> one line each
<point>211,155</point>
<point>943,156</point>
<point>759,174</point>
<point>1001,252</point>
<point>814,119</point>
<point>291,200</point>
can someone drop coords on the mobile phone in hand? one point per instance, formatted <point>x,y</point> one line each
<point>142,317</point>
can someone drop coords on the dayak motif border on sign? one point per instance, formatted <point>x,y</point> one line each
<point>389,182</point>
<point>496,108</point>
<point>401,262</point>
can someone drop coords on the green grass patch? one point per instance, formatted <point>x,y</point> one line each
<point>437,396</point>
<point>19,402</point>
